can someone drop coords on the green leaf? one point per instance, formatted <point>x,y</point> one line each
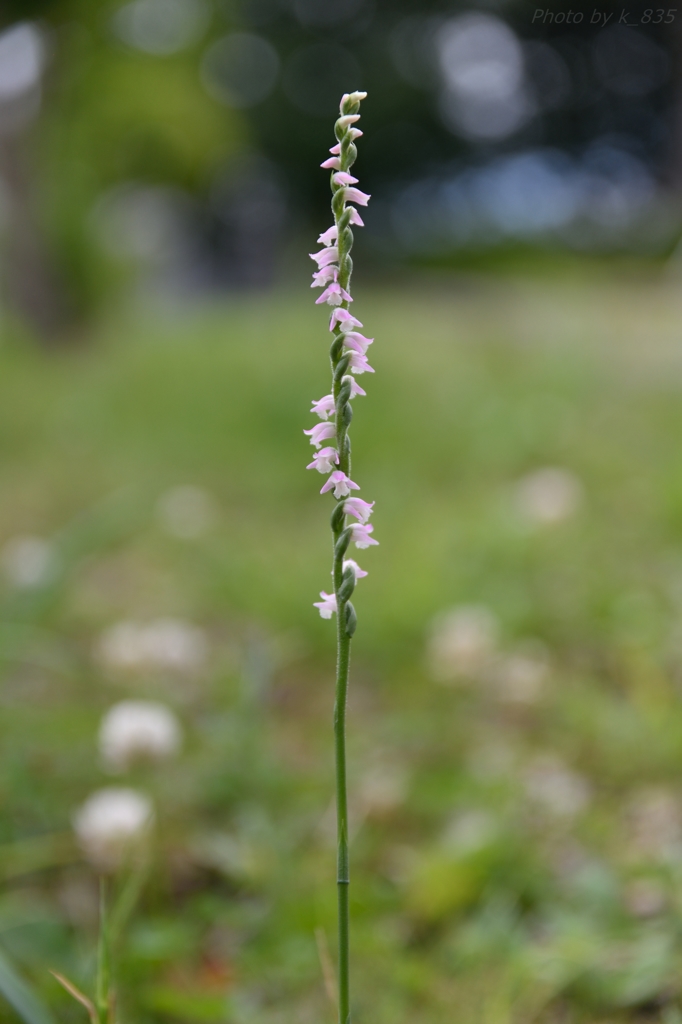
<point>79,996</point>
<point>18,994</point>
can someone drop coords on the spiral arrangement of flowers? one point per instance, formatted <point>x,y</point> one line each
<point>348,355</point>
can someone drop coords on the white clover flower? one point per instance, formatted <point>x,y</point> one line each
<point>186,512</point>
<point>548,496</point>
<point>164,644</point>
<point>136,729</point>
<point>461,643</point>
<point>110,823</point>
<point>555,788</point>
<point>28,561</point>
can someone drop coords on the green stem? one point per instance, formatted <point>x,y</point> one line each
<point>342,862</point>
<point>103,980</point>
<point>344,243</point>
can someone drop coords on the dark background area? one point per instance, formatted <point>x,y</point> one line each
<point>178,141</point>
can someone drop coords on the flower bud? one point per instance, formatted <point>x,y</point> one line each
<point>347,586</point>
<point>337,517</point>
<point>351,99</point>
<point>342,367</point>
<point>342,543</point>
<point>351,619</point>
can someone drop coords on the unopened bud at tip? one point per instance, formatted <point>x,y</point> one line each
<point>349,99</point>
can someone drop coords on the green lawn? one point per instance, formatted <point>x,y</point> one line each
<point>517,850</point>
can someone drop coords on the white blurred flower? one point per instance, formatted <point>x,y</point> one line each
<point>164,644</point>
<point>462,642</point>
<point>548,496</point>
<point>138,729</point>
<point>654,824</point>
<point>519,677</point>
<point>186,512</point>
<point>645,897</point>
<point>555,788</point>
<point>28,561</point>
<point>110,823</point>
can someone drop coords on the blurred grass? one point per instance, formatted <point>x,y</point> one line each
<point>476,386</point>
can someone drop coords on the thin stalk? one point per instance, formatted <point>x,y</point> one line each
<point>342,859</point>
<point>103,980</point>
<point>343,642</point>
<point>344,155</point>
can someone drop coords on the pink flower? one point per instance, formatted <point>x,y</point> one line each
<point>362,510</point>
<point>361,535</point>
<point>344,178</point>
<point>347,120</point>
<point>328,236</point>
<point>354,195</point>
<point>342,485</point>
<point>336,149</point>
<point>334,295</point>
<point>349,563</point>
<point>325,256</point>
<point>359,364</point>
<point>355,218</point>
<point>321,432</point>
<point>355,388</point>
<point>332,163</point>
<point>327,605</point>
<point>342,316</point>
<point>358,342</point>
<point>324,407</point>
<point>325,460</point>
<point>324,276</point>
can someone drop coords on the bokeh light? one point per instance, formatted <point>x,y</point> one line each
<point>240,69</point>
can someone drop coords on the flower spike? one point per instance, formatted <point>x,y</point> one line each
<point>348,354</point>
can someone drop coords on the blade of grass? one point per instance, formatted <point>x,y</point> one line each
<point>79,996</point>
<point>327,966</point>
<point>21,996</point>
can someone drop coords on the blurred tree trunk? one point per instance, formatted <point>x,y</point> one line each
<point>31,285</point>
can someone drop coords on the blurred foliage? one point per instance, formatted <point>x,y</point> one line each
<point>112,115</point>
<point>115,115</point>
<point>516,851</point>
